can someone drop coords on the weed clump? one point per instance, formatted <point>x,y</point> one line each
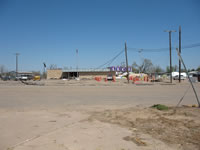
<point>160,107</point>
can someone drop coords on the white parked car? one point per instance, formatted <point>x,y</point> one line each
<point>177,77</point>
<point>22,78</point>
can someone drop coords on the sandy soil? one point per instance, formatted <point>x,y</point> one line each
<point>90,115</point>
<point>178,128</point>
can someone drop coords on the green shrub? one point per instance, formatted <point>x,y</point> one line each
<point>160,107</point>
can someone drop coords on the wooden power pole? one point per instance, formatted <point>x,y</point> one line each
<point>180,53</point>
<point>126,62</point>
<point>170,52</point>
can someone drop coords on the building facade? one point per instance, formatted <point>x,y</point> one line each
<point>79,73</point>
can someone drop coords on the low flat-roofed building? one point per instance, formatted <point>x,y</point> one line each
<point>54,74</point>
<point>79,73</point>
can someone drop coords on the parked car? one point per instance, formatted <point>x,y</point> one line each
<point>109,77</point>
<point>5,78</point>
<point>24,78</point>
<point>36,78</point>
<point>177,77</point>
<point>21,78</point>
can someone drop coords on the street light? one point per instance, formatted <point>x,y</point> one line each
<point>17,54</point>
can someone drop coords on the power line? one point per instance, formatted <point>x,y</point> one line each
<point>111,60</point>
<point>115,57</point>
<point>162,49</point>
<point>146,50</point>
<point>191,46</point>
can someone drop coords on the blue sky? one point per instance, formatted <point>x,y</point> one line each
<point>51,30</point>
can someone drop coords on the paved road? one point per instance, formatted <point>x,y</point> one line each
<point>37,115</point>
<point>16,97</point>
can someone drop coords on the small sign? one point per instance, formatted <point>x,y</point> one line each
<point>120,69</point>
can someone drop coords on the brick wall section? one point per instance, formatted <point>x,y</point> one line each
<point>54,74</point>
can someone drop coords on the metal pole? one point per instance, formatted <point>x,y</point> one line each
<point>76,59</point>
<point>16,64</point>
<point>180,53</point>
<point>180,58</point>
<point>126,62</point>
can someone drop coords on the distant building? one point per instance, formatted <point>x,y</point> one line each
<point>80,73</point>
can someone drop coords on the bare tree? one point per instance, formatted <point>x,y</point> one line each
<point>135,67</point>
<point>157,69</point>
<point>198,69</point>
<point>65,68</point>
<point>174,68</point>
<point>2,69</point>
<point>146,66</point>
<point>52,67</point>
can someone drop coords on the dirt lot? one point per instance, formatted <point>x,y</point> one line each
<point>180,128</point>
<point>90,115</point>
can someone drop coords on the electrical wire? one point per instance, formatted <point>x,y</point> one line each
<point>115,57</point>
<point>191,46</point>
<point>111,60</point>
<point>146,50</point>
<point>162,49</point>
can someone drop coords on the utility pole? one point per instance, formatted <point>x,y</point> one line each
<point>140,50</point>
<point>180,53</point>
<point>126,62</point>
<point>17,54</point>
<point>170,52</point>
<point>77,62</point>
